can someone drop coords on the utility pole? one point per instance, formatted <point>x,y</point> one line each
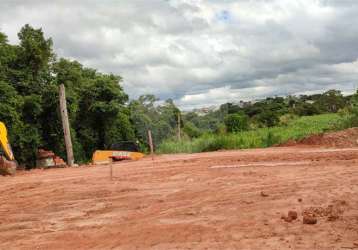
<point>66,126</point>
<point>150,141</point>
<point>111,169</point>
<point>179,132</point>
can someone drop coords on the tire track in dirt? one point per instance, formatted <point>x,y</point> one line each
<point>179,201</point>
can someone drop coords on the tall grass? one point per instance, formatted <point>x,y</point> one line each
<point>259,138</point>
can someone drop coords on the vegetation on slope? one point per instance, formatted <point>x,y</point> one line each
<point>258,138</point>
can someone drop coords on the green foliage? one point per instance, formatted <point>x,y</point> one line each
<point>221,129</point>
<point>97,108</point>
<point>271,111</point>
<point>147,114</point>
<point>31,67</point>
<point>236,122</point>
<point>271,139</point>
<point>259,138</point>
<point>286,119</point>
<point>212,122</point>
<point>29,105</point>
<point>191,130</point>
<point>331,101</point>
<point>267,118</point>
<point>349,115</point>
<point>304,109</point>
<point>262,110</point>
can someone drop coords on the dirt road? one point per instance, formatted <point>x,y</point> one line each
<point>219,200</point>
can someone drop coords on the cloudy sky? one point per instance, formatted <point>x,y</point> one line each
<point>203,52</point>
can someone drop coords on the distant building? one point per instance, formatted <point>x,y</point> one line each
<point>205,110</point>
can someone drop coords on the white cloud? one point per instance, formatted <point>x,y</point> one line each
<point>203,52</point>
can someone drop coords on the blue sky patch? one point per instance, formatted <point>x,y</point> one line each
<point>224,16</point>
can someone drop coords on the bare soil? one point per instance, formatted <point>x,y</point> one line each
<point>219,200</point>
<point>341,139</point>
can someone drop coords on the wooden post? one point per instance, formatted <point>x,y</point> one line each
<point>66,126</point>
<point>150,141</point>
<point>111,169</point>
<point>179,132</point>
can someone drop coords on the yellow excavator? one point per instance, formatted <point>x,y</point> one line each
<point>7,160</point>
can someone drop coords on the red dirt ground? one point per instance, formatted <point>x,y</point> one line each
<point>219,200</point>
<point>341,139</point>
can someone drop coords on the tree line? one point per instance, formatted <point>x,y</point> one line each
<point>269,112</point>
<point>30,75</point>
<point>100,112</point>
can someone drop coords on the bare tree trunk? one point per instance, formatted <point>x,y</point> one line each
<point>66,126</point>
<point>150,141</point>
<point>179,129</point>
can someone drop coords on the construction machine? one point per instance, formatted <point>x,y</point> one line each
<point>125,150</point>
<point>7,160</point>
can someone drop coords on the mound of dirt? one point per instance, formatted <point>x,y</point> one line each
<point>332,212</point>
<point>341,139</point>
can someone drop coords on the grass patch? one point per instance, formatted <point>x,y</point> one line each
<point>259,138</point>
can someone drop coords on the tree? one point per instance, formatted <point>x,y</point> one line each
<point>268,118</point>
<point>147,114</point>
<point>29,78</point>
<point>25,69</point>
<point>191,130</point>
<point>236,122</point>
<point>331,101</point>
<point>305,109</point>
<point>33,62</point>
<point>102,117</point>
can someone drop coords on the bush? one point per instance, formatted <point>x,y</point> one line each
<point>267,118</point>
<point>259,138</point>
<point>286,119</point>
<point>191,130</point>
<point>236,122</point>
<point>271,139</point>
<point>306,109</point>
<point>349,116</point>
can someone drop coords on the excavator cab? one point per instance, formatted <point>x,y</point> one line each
<point>125,146</point>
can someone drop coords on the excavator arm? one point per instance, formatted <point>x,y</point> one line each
<point>7,163</point>
<point>4,143</point>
